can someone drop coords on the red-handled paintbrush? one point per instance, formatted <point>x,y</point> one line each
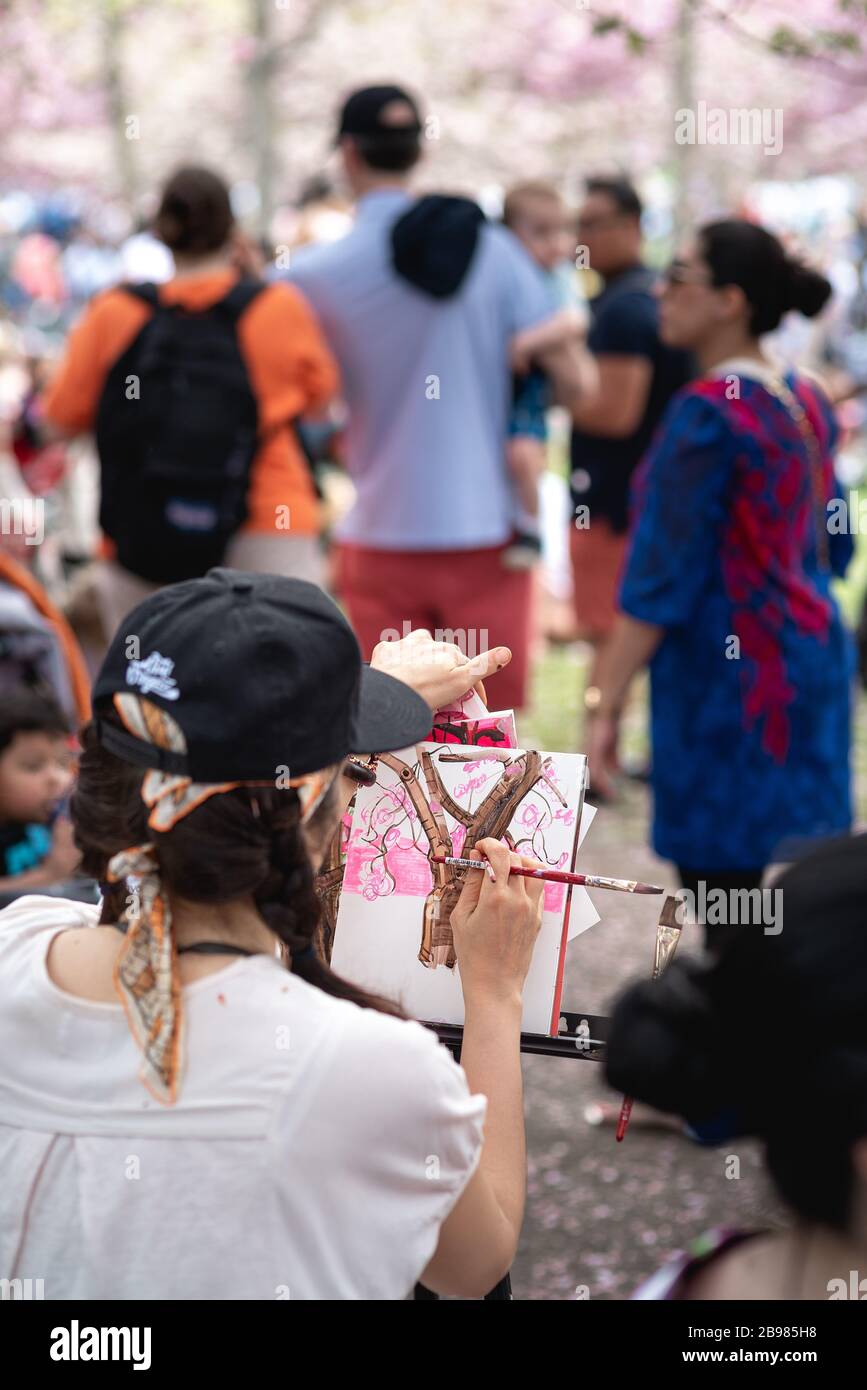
<point>620,885</point>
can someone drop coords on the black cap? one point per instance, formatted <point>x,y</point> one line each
<point>366,112</point>
<point>260,673</point>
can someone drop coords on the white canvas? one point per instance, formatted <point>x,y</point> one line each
<point>388,877</point>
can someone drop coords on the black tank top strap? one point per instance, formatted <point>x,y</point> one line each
<point>203,948</point>
<point>214,948</point>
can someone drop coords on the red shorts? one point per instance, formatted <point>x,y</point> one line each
<point>462,596</point>
<point>597,555</point>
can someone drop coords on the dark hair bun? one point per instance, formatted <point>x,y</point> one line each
<point>809,291</point>
<point>744,254</point>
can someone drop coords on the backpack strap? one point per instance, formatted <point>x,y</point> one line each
<point>233,304</point>
<point>147,293</point>
<point>240,297</point>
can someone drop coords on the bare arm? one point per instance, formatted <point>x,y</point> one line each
<point>566,326</point>
<point>557,347</point>
<point>633,643</point>
<point>572,370</point>
<point>479,1237</point>
<point>616,407</point>
<point>495,926</point>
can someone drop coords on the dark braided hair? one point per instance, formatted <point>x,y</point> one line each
<point>247,842</point>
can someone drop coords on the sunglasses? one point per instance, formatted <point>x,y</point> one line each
<point>680,273</point>
<point>593,224</point>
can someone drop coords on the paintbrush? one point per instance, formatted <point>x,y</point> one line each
<point>620,885</point>
<point>667,937</point>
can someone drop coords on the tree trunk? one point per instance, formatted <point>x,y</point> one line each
<point>683,93</point>
<point>260,82</point>
<point>123,122</point>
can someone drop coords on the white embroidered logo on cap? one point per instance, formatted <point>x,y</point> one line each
<point>153,675</point>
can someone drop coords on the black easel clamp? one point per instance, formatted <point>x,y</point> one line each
<point>581,1035</point>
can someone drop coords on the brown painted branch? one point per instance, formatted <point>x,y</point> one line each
<point>495,812</point>
<point>440,841</point>
<point>436,792</point>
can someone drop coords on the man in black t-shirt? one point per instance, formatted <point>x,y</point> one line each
<point>638,375</point>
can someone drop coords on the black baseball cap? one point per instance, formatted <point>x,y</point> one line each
<point>260,672</point>
<point>365,112</point>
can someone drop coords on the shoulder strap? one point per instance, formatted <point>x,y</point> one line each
<point>147,293</point>
<point>214,948</point>
<point>240,297</point>
<point>233,304</point>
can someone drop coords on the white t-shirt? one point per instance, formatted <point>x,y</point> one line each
<point>313,1153</point>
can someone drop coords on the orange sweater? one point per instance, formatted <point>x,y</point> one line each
<point>290,367</point>
<point>11,572</point>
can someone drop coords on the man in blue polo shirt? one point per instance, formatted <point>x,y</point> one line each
<point>421,303</point>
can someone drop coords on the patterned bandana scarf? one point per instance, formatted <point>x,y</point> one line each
<point>146,972</point>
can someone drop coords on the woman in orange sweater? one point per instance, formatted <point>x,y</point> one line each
<point>273,524</point>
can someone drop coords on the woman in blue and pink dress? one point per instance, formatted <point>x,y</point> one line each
<point>727,589</point>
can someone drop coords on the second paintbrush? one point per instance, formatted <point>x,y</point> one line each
<point>620,885</point>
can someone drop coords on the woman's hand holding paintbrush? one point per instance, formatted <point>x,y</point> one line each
<point>495,925</point>
<point>619,885</point>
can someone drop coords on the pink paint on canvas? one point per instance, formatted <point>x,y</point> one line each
<point>403,868</point>
<point>393,933</point>
<point>554,897</point>
<point>494,730</point>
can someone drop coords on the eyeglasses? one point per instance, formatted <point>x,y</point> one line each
<point>680,273</point>
<point>593,224</point>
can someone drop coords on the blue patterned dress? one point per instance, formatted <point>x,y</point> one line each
<point>751,684</point>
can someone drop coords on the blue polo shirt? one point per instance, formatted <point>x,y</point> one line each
<point>427,381</point>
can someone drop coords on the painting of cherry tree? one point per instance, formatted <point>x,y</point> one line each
<point>393,929</point>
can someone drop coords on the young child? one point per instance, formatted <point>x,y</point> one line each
<point>36,846</point>
<point>538,217</point>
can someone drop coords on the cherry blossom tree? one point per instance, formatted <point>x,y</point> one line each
<point>109,94</point>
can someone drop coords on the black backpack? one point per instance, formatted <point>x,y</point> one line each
<point>176,432</point>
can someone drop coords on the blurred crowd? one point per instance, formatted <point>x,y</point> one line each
<point>479,433</point>
<point>59,249</point>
